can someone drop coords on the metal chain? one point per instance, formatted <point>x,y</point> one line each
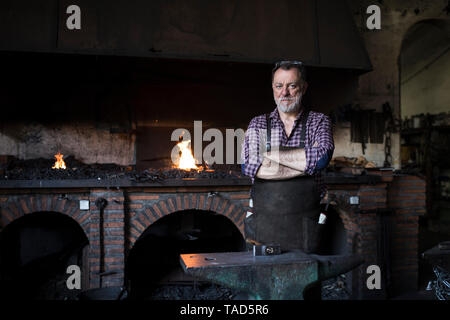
<point>391,125</point>
<point>388,127</point>
<point>387,150</point>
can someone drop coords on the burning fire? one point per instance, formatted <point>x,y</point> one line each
<point>187,161</point>
<point>59,163</point>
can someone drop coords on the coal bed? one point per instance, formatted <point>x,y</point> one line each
<point>41,169</point>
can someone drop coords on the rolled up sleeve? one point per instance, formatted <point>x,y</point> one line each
<point>251,149</point>
<point>320,151</point>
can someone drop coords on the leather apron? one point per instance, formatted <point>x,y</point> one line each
<point>286,212</point>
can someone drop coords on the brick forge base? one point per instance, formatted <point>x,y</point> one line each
<point>113,230</point>
<point>383,228</point>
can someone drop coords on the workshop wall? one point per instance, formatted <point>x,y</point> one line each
<point>383,83</point>
<point>85,142</point>
<point>77,105</point>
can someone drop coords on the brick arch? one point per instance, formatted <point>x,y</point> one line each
<point>200,201</point>
<point>16,207</point>
<point>437,22</point>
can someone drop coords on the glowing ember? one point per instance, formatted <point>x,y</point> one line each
<point>207,167</point>
<point>187,161</point>
<point>59,163</point>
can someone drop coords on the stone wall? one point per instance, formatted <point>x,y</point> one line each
<point>383,83</point>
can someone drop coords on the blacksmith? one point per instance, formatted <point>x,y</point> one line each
<point>285,163</point>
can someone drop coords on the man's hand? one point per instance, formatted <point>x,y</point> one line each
<point>271,170</point>
<point>294,159</point>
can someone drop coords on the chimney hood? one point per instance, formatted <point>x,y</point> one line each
<point>322,33</point>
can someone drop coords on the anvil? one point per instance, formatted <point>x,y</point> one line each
<point>277,277</point>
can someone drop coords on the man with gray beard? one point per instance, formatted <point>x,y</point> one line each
<point>311,155</point>
<point>284,153</point>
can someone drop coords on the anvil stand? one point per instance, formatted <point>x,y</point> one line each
<point>275,277</point>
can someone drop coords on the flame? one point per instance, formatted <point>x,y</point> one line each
<point>187,161</point>
<point>59,163</point>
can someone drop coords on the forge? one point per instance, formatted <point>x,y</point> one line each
<point>136,224</point>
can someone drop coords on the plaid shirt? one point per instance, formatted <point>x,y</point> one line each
<point>319,144</point>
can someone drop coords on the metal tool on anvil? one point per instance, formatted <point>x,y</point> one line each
<point>266,249</point>
<point>267,277</point>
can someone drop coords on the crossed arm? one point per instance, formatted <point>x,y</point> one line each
<point>285,164</point>
<point>282,164</point>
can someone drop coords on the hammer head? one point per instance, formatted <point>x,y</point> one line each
<point>266,249</point>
